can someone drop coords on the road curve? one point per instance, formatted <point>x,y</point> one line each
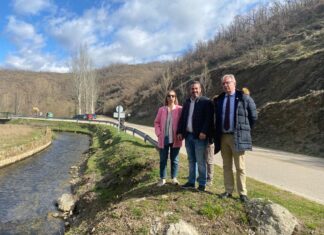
<point>299,174</point>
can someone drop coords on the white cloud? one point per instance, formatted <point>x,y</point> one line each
<point>164,29</point>
<point>31,7</point>
<point>29,43</point>
<point>134,32</point>
<point>75,31</point>
<point>23,34</point>
<point>29,60</point>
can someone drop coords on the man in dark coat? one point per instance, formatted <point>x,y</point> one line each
<point>235,114</point>
<point>195,127</point>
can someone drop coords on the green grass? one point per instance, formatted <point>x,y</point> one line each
<point>119,193</point>
<point>211,210</point>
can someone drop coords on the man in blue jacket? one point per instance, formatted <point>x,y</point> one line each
<point>235,114</point>
<point>195,126</point>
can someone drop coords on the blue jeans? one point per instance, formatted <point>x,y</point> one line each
<point>174,155</point>
<point>196,150</point>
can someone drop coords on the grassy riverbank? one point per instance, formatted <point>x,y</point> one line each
<point>19,139</point>
<point>118,193</point>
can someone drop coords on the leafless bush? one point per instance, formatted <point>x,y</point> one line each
<point>256,29</point>
<point>293,47</point>
<point>205,79</point>
<point>165,83</point>
<point>183,90</point>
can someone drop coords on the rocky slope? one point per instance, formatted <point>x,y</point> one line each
<point>295,125</point>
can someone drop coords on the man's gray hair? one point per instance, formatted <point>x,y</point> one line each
<point>231,76</point>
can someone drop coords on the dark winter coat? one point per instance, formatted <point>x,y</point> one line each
<point>245,115</point>
<point>202,117</point>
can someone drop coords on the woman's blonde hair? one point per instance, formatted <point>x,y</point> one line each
<point>166,97</point>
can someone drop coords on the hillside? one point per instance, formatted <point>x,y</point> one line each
<point>53,92</point>
<point>302,132</point>
<point>288,67</point>
<point>119,84</point>
<point>23,90</point>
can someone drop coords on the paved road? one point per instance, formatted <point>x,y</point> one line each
<point>300,174</point>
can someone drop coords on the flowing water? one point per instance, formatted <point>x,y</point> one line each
<point>29,188</point>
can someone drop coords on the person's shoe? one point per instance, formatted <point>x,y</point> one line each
<point>175,181</point>
<point>188,185</point>
<point>202,188</point>
<point>244,198</point>
<point>161,182</point>
<point>225,195</point>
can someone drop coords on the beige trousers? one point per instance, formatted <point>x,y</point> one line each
<point>229,154</point>
<point>210,161</point>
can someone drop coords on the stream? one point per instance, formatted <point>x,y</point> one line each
<point>29,188</point>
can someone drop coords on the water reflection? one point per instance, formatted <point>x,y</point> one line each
<point>29,188</point>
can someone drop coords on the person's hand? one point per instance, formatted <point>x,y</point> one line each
<point>179,137</point>
<point>202,136</point>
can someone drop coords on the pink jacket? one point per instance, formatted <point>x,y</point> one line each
<point>159,125</point>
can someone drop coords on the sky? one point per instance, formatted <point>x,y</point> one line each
<point>43,35</point>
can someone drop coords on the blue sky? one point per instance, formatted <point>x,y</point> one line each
<point>42,35</point>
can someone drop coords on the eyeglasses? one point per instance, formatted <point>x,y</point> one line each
<point>170,96</point>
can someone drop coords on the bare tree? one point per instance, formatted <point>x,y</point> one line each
<point>183,90</point>
<point>205,79</point>
<point>93,90</point>
<point>165,84</point>
<point>254,30</point>
<point>85,81</point>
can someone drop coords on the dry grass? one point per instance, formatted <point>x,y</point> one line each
<point>11,135</point>
<point>15,139</point>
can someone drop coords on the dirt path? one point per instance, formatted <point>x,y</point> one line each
<point>300,174</point>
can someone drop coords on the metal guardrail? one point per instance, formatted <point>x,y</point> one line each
<point>134,131</point>
<point>141,134</point>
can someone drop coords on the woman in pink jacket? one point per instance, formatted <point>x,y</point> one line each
<point>166,124</point>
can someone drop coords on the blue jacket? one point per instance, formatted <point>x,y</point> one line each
<point>202,117</point>
<point>245,115</point>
